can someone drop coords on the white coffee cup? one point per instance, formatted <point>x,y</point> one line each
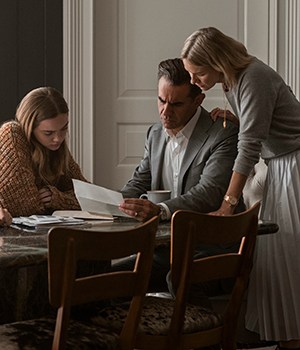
<point>157,196</point>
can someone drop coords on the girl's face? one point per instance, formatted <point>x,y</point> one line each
<point>204,77</point>
<point>51,133</point>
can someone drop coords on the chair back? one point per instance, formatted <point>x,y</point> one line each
<point>70,247</point>
<point>190,230</point>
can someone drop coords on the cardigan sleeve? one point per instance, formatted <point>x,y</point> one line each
<point>18,191</point>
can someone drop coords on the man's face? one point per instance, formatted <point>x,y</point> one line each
<point>175,106</point>
<point>52,132</point>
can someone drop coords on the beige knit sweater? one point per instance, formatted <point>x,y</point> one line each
<point>18,189</point>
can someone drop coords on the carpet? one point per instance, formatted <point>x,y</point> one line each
<point>262,345</point>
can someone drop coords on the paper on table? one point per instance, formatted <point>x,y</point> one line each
<point>81,214</point>
<point>46,220</point>
<point>97,199</point>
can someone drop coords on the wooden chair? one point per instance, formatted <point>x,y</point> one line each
<point>174,323</point>
<point>67,249</point>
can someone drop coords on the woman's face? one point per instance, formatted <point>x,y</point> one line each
<point>204,77</point>
<point>51,133</point>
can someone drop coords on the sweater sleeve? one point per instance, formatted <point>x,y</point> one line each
<point>18,191</point>
<point>63,196</point>
<point>269,116</point>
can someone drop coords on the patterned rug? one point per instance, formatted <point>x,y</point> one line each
<point>262,345</point>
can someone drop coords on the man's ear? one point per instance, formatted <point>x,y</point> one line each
<point>200,98</point>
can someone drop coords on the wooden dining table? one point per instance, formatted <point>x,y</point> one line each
<point>23,265</point>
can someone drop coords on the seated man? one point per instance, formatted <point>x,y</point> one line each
<point>187,153</point>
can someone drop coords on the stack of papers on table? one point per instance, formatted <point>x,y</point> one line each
<point>98,200</point>
<point>34,221</point>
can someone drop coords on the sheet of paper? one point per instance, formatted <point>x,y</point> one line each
<point>81,214</point>
<point>97,199</point>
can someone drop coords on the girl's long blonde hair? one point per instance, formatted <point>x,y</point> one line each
<point>40,104</point>
<point>209,47</point>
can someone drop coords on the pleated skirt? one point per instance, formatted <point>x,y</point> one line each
<point>273,302</point>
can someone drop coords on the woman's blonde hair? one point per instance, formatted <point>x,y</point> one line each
<point>209,47</point>
<point>40,104</point>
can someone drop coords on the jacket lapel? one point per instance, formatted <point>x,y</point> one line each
<point>159,145</point>
<point>196,142</point>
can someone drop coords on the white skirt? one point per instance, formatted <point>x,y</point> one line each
<point>273,308</point>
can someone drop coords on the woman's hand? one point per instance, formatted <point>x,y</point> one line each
<point>141,209</point>
<point>235,190</point>
<point>219,113</point>
<point>5,217</point>
<point>224,210</point>
<point>45,196</point>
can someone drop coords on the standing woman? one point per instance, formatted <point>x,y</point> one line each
<point>269,116</point>
<point>36,167</point>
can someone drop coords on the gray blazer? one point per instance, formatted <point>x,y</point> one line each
<point>205,171</point>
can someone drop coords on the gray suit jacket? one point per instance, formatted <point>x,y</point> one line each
<point>205,171</point>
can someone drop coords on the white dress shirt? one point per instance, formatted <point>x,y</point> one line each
<point>174,153</point>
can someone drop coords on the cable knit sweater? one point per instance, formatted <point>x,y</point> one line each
<point>18,183</point>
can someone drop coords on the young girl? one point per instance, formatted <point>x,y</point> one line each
<point>269,116</point>
<point>36,167</point>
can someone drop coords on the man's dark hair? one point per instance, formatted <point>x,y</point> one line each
<point>173,71</point>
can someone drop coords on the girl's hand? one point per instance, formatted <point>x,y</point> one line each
<point>45,196</point>
<point>5,217</point>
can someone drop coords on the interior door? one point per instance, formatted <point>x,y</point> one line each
<point>131,38</point>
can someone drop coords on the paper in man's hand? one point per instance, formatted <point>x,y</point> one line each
<point>97,199</point>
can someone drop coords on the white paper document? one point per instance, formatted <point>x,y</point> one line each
<point>97,199</point>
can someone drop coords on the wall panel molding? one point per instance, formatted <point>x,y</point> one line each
<point>78,79</point>
<point>292,50</point>
<point>277,25</point>
<point>256,26</point>
<point>273,34</point>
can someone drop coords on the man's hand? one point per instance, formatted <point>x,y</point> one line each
<point>45,196</point>
<point>141,209</point>
<point>5,217</point>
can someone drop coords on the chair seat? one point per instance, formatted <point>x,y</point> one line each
<point>156,317</point>
<point>38,334</point>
